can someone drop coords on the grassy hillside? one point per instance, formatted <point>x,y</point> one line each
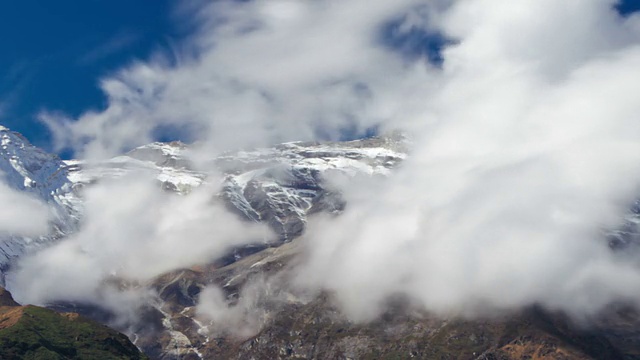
<point>31,332</point>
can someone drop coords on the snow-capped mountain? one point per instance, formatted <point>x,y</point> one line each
<point>280,186</point>
<point>284,184</point>
<point>27,168</point>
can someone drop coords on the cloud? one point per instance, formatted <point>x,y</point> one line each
<point>131,232</point>
<point>22,214</point>
<point>13,83</point>
<point>293,92</point>
<point>525,146</point>
<point>524,151</point>
<point>110,47</point>
<point>260,299</point>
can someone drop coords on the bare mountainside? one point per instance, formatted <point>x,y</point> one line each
<point>280,323</point>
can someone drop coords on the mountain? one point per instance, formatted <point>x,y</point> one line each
<point>282,186</point>
<point>32,332</point>
<point>27,168</point>
<point>279,186</point>
<point>294,327</point>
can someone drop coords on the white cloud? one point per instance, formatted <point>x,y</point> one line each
<point>258,301</point>
<point>132,231</point>
<point>525,150</point>
<point>526,142</point>
<point>21,214</point>
<point>261,74</point>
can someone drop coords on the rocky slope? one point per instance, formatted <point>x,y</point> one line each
<point>281,323</point>
<point>31,332</point>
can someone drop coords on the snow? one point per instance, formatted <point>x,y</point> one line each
<point>180,178</point>
<point>27,168</point>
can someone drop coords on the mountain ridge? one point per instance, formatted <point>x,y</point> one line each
<point>278,185</point>
<point>282,187</point>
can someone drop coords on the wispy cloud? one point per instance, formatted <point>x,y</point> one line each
<point>112,46</point>
<point>15,81</point>
<point>26,216</point>
<point>260,65</point>
<point>160,233</point>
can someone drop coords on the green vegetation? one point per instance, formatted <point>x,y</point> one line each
<point>39,333</point>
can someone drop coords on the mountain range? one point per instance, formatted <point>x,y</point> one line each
<point>283,187</point>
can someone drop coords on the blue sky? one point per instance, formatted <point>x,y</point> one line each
<point>628,6</point>
<point>53,53</point>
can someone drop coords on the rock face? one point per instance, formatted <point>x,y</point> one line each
<point>306,332</point>
<point>31,332</point>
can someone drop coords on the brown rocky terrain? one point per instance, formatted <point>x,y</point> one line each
<point>292,326</point>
